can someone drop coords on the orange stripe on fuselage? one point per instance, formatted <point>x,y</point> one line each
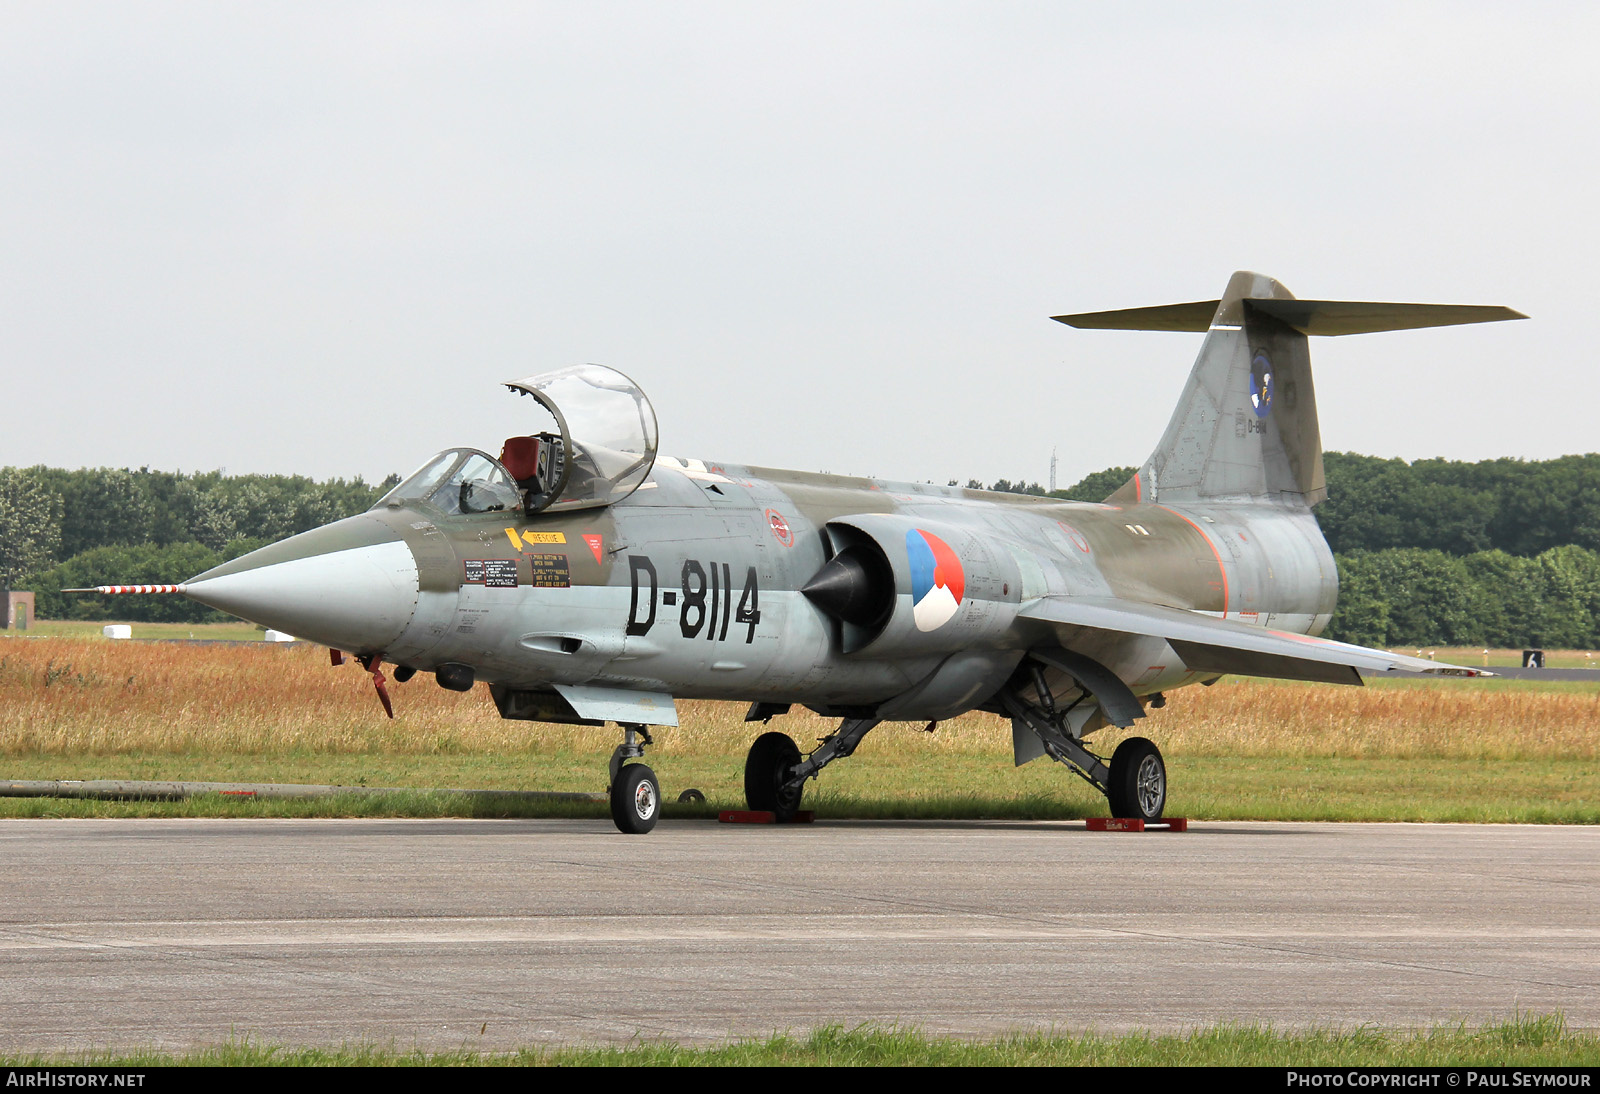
<point>1221,569</point>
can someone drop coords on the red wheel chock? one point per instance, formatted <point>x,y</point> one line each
<point>1134,824</point>
<point>762,816</point>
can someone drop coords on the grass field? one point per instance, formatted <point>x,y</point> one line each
<point>1525,1041</point>
<point>85,708</point>
<point>1477,657</point>
<point>237,631</point>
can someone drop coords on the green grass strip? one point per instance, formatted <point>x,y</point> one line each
<point>1523,1041</point>
<point>1206,788</point>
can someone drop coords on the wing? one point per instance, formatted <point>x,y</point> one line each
<point>1207,644</point>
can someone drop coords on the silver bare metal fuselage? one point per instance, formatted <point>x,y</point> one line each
<point>691,587</point>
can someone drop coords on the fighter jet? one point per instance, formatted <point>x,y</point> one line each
<point>585,579</point>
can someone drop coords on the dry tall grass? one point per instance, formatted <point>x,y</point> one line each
<point>66,696</point>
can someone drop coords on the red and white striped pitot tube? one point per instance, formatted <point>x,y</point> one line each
<point>130,589</point>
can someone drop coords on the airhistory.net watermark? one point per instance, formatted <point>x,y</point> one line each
<point>49,1078</point>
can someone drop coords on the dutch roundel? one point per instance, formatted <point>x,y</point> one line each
<point>937,581</point>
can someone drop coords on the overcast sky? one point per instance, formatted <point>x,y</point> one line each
<point>314,238</point>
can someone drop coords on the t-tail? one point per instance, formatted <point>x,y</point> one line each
<point>1246,427</point>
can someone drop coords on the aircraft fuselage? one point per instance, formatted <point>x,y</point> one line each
<point>691,586</point>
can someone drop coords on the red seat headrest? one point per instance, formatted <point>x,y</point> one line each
<point>520,456</point>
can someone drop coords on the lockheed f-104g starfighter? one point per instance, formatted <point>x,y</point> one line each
<point>583,578</point>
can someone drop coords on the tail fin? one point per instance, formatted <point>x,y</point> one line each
<point>1246,426</point>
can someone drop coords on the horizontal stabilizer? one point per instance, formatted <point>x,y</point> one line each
<point>1362,317</point>
<point>1321,317</point>
<point>1195,316</point>
<point>1208,644</point>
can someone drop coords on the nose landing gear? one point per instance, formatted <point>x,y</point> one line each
<point>635,791</point>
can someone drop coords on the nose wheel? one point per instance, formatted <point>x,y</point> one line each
<point>635,791</point>
<point>635,799</point>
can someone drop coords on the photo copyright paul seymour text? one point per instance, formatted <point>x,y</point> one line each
<point>1465,1079</point>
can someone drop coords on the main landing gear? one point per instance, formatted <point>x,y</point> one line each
<point>1135,781</point>
<point>1138,786</point>
<point>775,774</point>
<point>635,791</point>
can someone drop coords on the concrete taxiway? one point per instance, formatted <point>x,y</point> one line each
<point>497,933</point>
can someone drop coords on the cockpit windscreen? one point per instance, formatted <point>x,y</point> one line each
<point>461,480</point>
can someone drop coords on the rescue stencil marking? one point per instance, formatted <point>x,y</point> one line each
<point>492,573</point>
<point>550,571</point>
<point>937,580</point>
<point>530,538</point>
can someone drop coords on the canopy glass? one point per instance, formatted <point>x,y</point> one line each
<point>608,436</point>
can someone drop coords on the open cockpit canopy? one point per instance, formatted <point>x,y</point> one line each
<point>605,448</point>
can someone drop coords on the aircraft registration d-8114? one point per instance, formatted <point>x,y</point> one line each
<point>585,579</point>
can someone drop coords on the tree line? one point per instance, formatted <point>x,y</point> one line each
<point>1521,507</point>
<point>1436,552</point>
<point>1502,553</point>
<point>97,526</point>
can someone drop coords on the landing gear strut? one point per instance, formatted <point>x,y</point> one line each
<point>775,774</point>
<point>635,792</point>
<point>1135,781</point>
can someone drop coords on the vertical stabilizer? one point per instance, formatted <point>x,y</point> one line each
<point>1246,426</point>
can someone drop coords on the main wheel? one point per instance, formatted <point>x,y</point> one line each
<point>1138,780</point>
<point>635,799</point>
<point>766,769</point>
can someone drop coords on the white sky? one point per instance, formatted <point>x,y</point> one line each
<point>314,238</point>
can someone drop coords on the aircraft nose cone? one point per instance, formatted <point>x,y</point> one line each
<point>351,585</point>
